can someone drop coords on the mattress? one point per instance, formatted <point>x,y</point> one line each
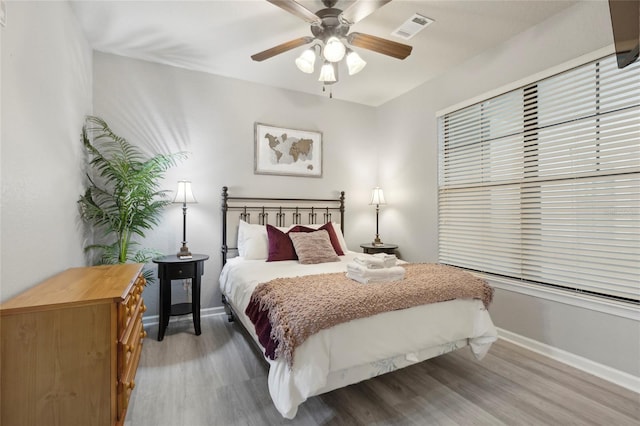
<point>360,349</point>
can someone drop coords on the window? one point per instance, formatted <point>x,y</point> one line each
<point>543,183</point>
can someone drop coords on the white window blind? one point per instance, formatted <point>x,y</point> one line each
<point>543,183</point>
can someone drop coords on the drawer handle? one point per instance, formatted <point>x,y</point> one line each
<point>143,334</point>
<point>180,271</point>
<point>130,385</point>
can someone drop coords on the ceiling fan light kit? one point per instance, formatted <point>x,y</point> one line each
<point>307,60</point>
<point>330,27</point>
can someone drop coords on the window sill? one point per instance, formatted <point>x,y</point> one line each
<point>611,307</point>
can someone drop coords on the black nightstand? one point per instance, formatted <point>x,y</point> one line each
<point>173,268</point>
<point>371,248</point>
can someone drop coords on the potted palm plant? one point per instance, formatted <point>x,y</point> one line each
<point>123,199</point>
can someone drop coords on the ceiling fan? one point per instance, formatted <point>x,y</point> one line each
<point>330,28</point>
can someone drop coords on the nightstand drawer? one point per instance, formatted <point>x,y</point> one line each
<point>181,271</point>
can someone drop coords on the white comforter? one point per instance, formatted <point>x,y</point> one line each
<point>359,349</point>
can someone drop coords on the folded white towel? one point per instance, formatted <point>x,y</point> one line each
<point>374,280</point>
<point>366,275</point>
<point>389,260</point>
<point>356,268</point>
<point>376,261</point>
<point>370,263</point>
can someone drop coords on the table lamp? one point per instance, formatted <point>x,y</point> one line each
<point>184,195</point>
<point>377,198</point>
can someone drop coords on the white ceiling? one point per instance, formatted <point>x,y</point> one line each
<point>219,36</point>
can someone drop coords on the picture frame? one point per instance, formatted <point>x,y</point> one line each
<point>287,152</point>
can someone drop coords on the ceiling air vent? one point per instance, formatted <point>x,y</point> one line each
<point>412,26</point>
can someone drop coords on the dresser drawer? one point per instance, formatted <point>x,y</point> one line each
<point>129,345</point>
<point>126,383</point>
<point>131,306</point>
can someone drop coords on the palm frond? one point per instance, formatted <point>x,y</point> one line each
<point>123,197</point>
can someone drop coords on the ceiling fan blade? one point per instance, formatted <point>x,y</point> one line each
<point>297,9</point>
<point>361,9</point>
<point>281,48</point>
<point>380,45</point>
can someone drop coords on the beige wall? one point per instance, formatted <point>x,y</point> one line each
<point>1,208</point>
<point>46,91</point>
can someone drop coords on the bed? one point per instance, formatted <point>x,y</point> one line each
<point>349,352</point>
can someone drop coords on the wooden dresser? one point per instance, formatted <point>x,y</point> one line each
<point>70,348</point>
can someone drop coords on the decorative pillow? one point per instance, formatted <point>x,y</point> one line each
<point>252,241</point>
<point>313,247</point>
<point>333,236</point>
<point>280,245</point>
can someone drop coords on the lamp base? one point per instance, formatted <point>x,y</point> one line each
<point>377,241</point>
<point>184,252</point>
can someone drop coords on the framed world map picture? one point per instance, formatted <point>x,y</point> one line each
<point>288,152</point>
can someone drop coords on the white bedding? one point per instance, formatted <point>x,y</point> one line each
<point>359,349</point>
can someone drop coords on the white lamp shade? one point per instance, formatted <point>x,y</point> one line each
<point>334,50</point>
<point>184,193</point>
<point>377,196</point>
<point>354,62</point>
<point>327,73</point>
<point>306,61</point>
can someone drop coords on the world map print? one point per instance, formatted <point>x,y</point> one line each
<point>287,150</point>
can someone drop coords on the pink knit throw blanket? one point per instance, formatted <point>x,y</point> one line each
<point>286,311</point>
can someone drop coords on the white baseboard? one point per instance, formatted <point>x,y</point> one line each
<point>612,375</point>
<point>207,312</point>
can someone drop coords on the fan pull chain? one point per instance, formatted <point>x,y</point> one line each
<point>324,89</point>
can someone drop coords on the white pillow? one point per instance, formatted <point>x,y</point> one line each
<point>343,243</point>
<point>252,241</point>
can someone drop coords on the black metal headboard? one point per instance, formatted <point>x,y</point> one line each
<point>284,212</point>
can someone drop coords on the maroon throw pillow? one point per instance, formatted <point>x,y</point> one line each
<point>280,245</point>
<point>333,238</point>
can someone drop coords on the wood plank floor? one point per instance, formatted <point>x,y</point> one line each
<point>218,379</point>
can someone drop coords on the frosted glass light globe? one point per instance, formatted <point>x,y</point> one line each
<point>355,63</point>
<point>306,61</point>
<point>327,73</point>
<point>334,50</point>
